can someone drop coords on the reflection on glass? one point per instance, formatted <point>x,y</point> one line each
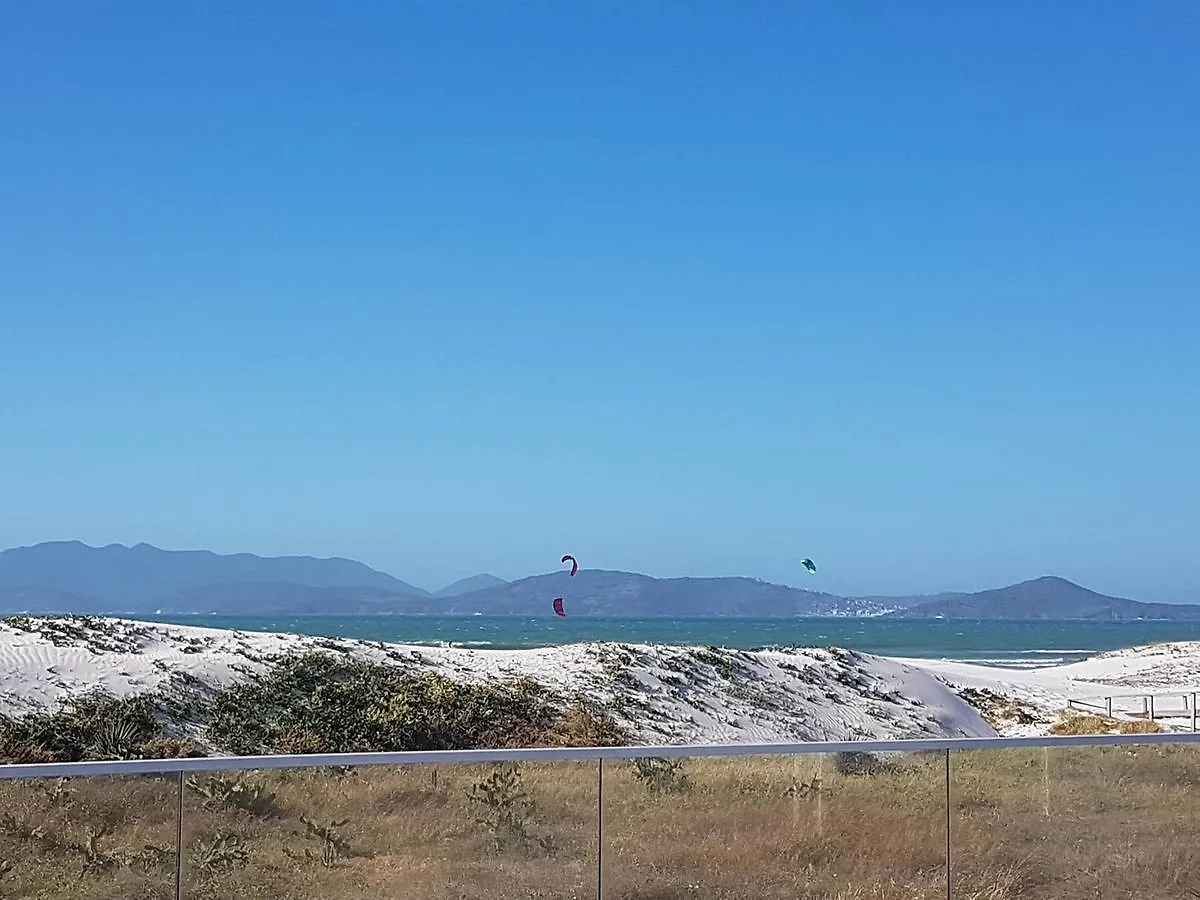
<point>837,826</point>
<point>1077,822</point>
<point>500,831</point>
<point>98,838</point>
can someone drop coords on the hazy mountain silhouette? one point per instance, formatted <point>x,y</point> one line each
<point>466,585</point>
<point>1049,597</point>
<point>143,577</point>
<point>70,577</point>
<point>595,592</point>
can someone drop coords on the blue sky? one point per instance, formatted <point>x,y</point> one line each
<point>682,288</point>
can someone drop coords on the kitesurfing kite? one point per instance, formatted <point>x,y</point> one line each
<point>808,564</point>
<point>558,601</point>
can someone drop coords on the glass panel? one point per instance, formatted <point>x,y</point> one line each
<point>1076,822</point>
<point>93,838</point>
<point>422,831</point>
<point>829,826</point>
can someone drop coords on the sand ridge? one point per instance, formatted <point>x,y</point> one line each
<point>663,693</point>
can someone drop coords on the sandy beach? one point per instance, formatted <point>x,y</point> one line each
<point>662,694</point>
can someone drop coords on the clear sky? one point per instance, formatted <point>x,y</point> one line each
<point>679,287</point>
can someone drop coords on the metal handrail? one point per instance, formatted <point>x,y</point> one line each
<point>572,754</point>
<point>1136,694</point>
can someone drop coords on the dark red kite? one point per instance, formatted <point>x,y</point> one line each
<point>558,607</point>
<point>574,565</point>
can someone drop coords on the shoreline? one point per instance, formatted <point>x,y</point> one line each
<point>662,693</point>
<point>1015,643</point>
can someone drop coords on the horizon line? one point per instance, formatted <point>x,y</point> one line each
<point>506,581</point>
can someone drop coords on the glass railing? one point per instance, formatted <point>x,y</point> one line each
<point>92,837</point>
<point>1001,819</point>
<point>1077,821</point>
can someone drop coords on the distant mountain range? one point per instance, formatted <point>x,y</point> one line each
<point>596,592</point>
<point>466,585</point>
<point>144,575</point>
<point>1048,597</point>
<point>71,577</point>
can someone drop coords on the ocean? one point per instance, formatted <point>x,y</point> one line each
<point>1014,644</point>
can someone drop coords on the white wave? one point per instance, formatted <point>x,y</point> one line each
<point>1092,650</point>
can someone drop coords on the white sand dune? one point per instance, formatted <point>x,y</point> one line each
<point>1168,672</point>
<point>664,694</point>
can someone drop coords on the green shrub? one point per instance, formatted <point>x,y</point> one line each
<point>854,762</point>
<point>660,775</point>
<point>319,703</point>
<point>162,747</point>
<point>92,726</point>
<point>219,854</point>
<point>506,809</point>
<point>332,846</point>
<point>235,792</point>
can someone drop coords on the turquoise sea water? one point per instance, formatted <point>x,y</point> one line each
<point>1002,643</point>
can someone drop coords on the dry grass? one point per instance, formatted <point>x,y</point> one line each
<point>1140,726</point>
<point>1089,724</point>
<point>1068,824</point>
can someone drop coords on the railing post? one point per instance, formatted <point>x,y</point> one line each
<point>1108,706</point>
<point>1046,781</point>
<point>600,829</point>
<point>949,836</point>
<point>1193,710</point>
<point>179,841</point>
<point>1151,707</point>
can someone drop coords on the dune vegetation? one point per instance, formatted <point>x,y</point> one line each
<point>1090,724</point>
<point>312,703</point>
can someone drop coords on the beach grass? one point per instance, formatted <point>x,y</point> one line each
<point>1068,823</point>
<point>1090,724</point>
